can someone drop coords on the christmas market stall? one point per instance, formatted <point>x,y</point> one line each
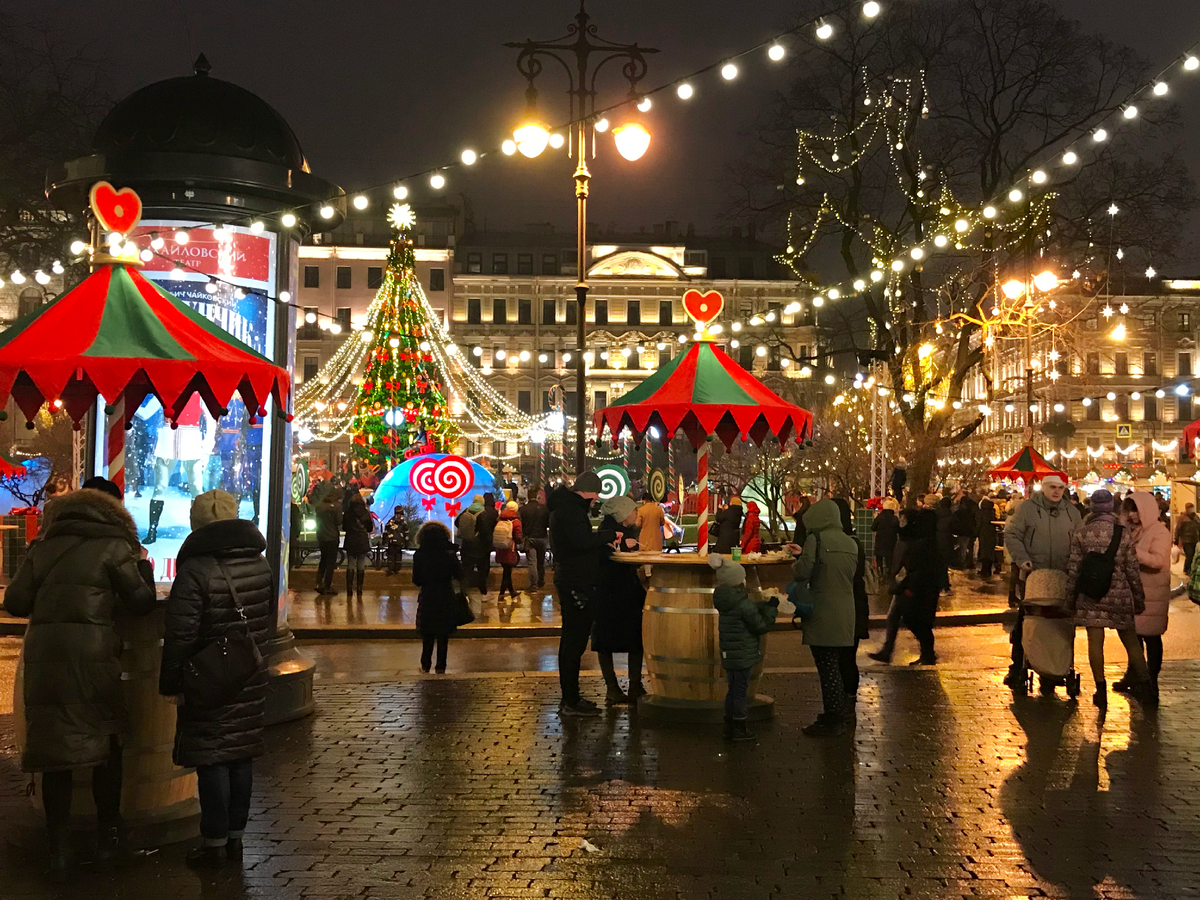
<point>121,338</point>
<point>1026,465</point>
<point>705,395</point>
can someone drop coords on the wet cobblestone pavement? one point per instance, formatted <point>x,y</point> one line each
<point>471,787</point>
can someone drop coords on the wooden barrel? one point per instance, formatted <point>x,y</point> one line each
<point>682,645</point>
<point>158,798</point>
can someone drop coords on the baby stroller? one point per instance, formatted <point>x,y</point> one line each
<point>1048,632</point>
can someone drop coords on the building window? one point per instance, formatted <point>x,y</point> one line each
<point>549,264</point>
<point>524,263</point>
<point>1093,362</point>
<point>572,311</point>
<point>1185,364</point>
<point>746,267</point>
<point>548,312</point>
<point>1149,363</point>
<point>499,263</point>
<point>343,318</point>
<point>633,312</point>
<point>309,331</point>
<point>600,400</point>
<point>437,279</point>
<point>600,357</point>
<point>474,263</point>
<point>695,257</point>
<point>716,267</point>
<point>746,357</point>
<point>499,311</point>
<point>30,299</point>
<point>312,276</point>
<point>1185,321</point>
<point>1150,409</point>
<point>549,354</point>
<point>1121,407</point>
<point>1093,411</point>
<point>601,312</point>
<point>343,277</point>
<point>546,407</point>
<point>666,312</point>
<point>1183,409</point>
<point>1149,322</point>
<point>312,365</point>
<point>1121,362</point>
<point>474,312</point>
<point>524,312</point>
<point>374,277</point>
<point>475,355</point>
<point>525,400</point>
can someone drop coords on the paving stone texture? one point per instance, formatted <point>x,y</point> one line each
<point>472,787</point>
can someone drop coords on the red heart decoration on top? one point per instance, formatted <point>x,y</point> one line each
<point>703,308</point>
<point>116,210</point>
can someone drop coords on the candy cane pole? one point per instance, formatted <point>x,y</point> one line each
<point>115,444</point>
<point>702,499</point>
<point>649,458</point>
<point>671,486</point>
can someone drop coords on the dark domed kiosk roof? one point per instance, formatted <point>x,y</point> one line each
<point>199,146</point>
<point>199,114</point>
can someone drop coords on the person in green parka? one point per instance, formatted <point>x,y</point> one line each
<point>741,624</point>
<point>827,565</point>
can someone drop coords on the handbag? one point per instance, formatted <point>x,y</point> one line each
<point>461,607</point>
<point>216,673</point>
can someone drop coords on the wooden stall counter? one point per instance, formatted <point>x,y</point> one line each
<point>680,636</point>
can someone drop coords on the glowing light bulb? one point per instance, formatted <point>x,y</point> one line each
<point>729,71</point>
<point>531,138</point>
<point>775,52</point>
<point>644,105</point>
<point>1038,177</point>
<point>327,211</point>
<point>1099,135</point>
<point>400,191</point>
<point>181,237</point>
<point>940,240</point>
<point>1070,158</point>
<point>437,181</point>
<point>1191,64</point>
<point>287,220</point>
<point>1160,88</point>
<point>1015,195</point>
<point>870,9</point>
<point>361,201</point>
<point>508,148</point>
<point>632,140</point>
<point>557,141</point>
<point>989,212</point>
<point>916,253</point>
<point>684,91</point>
<point>961,226</point>
<point>468,157</point>
<point>824,31</point>
<point>1130,112</point>
<point>77,247</point>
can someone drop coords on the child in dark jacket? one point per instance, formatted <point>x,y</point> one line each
<point>741,624</point>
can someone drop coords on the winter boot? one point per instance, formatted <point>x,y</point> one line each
<point>60,854</point>
<point>233,849</point>
<point>614,696</point>
<point>362,575</point>
<point>741,732</point>
<point>156,511</point>
<point>727,732</point>
<point>1100,698</point>
<point>112,848</point>
<point>883,654</point>
<point>205,857</point>
<point>349,585</point>
<point>825,725</point>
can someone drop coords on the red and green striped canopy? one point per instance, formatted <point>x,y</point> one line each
<point>1027,465</point>
<point>703,392</point>
<point>1190,435</point>
<point>119,334</point>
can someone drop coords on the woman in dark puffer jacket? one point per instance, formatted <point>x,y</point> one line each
<point>82,572</point>
<point>222,555</point>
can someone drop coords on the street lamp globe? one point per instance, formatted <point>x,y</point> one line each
<point>1045,281</point>
<point>531,138</point>
<point>632,140</point>
<point>1013,289</point>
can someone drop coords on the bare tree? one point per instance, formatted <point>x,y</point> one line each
<point>906,127</point>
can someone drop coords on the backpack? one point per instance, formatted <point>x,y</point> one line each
<point>502,538</point>
<point>465,524</point>
<point>1096,570</point>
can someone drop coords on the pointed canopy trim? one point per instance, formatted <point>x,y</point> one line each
<point>119,334</point>
<point>1026,464</point>
<point>703,392</point>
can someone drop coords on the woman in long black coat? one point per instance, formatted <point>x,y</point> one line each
<point>84,569</point>
<point>435,569</point>
<point>357,524</point>
<point>617,623</point>
<point>848,656</point>
<point>987,537</point>
<point>223,584</point>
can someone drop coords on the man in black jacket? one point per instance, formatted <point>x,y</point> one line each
<point>535,522</point>
<point>485,527</point>
<point>224,583</point>
<point>577,552</point>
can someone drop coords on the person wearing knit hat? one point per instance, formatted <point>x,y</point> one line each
<point>577,558</point>
<point>727,526</point>
<point>1099,606</point>
<point>741,624</point>
<point>1037,536</point>
<point>464,532</point>
<point>508,532</point>
<point>223,585</point>
<point>212,506</point>
<point>620,508</point>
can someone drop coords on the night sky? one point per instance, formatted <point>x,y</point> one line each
<point>376,90</point>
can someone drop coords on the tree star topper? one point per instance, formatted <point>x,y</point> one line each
<point>402,217</point>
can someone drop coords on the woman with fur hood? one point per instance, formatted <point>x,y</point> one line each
<point>1153,545</point>
<point>85,569</point>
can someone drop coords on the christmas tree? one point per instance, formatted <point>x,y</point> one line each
<point>400,409</point>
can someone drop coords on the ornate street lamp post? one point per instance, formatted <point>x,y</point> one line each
<point>574,52</point>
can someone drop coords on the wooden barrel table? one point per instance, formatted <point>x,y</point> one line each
<point>158,799</point>
<point>680,637</point>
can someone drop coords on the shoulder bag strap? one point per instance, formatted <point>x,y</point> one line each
<point>233,594</point>
<point>1111,552</point>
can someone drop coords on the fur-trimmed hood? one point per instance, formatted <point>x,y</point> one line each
<point>90,513</point>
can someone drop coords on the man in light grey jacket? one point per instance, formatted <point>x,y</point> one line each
<point>1038,536</point>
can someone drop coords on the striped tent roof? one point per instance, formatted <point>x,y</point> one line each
<point>1028,465</point>
<point>703,392</point>
<point>119,334</point>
